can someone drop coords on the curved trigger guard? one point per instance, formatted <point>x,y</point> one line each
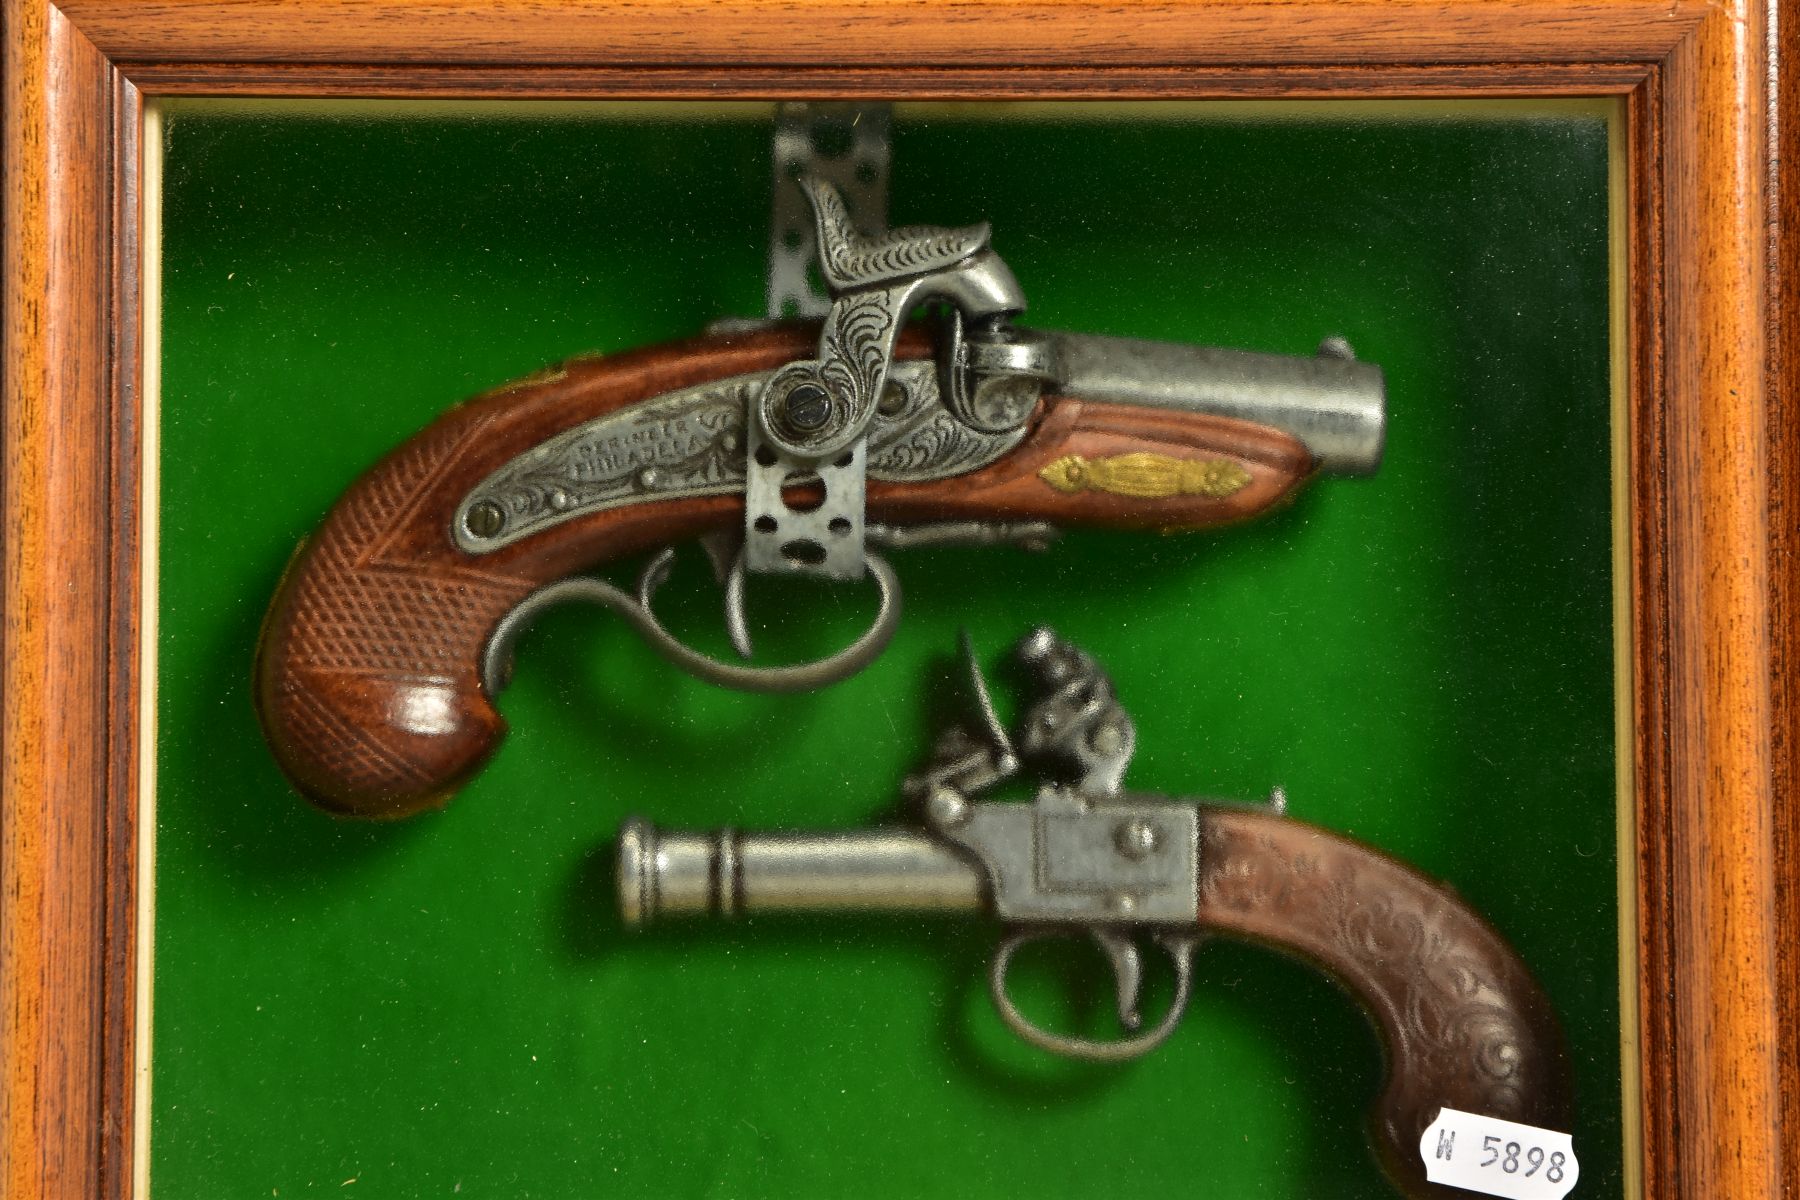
<point>1180,948</point>
<point>496,659</point>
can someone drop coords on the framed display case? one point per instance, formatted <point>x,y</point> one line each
<point>1537,656</point>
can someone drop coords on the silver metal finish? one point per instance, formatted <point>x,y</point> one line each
<point>1071,856</point>
<point>881,870</point>
<point>1027,535</point>
<point>690,442</point>
<point>1333,405</point>
<point>1077,727</point>
<point>1127,972</point>
<point>887,870</point>
<point>991,379</point>
<point>1081,859</point>
<point>1005,762</point>
<point>801,441</point>
<point>811,416</point>
<point>843,148</point>
<point>874,283</point>
<point>496,659</point>
<point>847,146</point>
<point>825,538</point>
<point>1057,860</point>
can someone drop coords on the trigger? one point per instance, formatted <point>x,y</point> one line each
<point>1128,974</point>
<point>725,551</point>
<point>722,546</point>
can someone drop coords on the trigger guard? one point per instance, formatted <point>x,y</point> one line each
<point>1180,948</point>
<point>800,677</point>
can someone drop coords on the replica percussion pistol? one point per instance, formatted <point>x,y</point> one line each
<point>788,447</point>
<point>1463,1024</point>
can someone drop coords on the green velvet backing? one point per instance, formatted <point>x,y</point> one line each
<point>447,1006</point>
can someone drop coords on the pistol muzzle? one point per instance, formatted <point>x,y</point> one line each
<point>724,873</point>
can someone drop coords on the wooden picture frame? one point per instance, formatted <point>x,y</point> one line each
<point>1711,444</point>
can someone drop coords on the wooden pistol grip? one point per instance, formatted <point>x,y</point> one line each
<point>1463,1023</point>
<point>367,677</point>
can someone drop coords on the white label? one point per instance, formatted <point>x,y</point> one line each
<point>1500,1158</point>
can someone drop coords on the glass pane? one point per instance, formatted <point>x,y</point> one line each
<point>447,1005</point>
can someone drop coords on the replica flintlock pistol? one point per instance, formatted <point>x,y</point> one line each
<point>1463,1024</point>
<point>787,447</point>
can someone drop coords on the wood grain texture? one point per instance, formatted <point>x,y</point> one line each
<point>867,32</point>
<point>65,960</point>
<point>367,678</point>
<point>1462,1022</point>
<point>1331,80</point>
<point>1721,774</point>
<point>1712,446</point>
<point>124,685</point>
<point>1783,114</point>
<point>1646,471</point>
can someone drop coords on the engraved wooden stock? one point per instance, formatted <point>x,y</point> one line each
<point>367,674</point>
<point>1463,1023</point>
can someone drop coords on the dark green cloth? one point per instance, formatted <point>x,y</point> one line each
<point>446,1007</point>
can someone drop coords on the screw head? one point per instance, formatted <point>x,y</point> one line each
<point>1137,839</point>
<point>808,407</point>
<point>946,809</point>
<point>893,400</point>
<point>484,519</point>
<point>1107,738</point>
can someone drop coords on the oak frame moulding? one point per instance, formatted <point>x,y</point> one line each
<point>1711,333</point>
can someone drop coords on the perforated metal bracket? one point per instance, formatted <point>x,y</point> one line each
<point>846,145</point>
<point>807,425</point>
<point>812,415</point>
<point>826,539</point>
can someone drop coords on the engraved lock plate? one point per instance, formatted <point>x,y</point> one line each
<point>688,443</point>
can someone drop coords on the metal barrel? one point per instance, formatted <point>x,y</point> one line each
<point>1332,404</point>
<point>724,873</point>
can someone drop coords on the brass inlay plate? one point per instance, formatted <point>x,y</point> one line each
<point>1146,476</point>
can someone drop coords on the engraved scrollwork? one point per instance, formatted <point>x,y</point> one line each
<point>920,440</point>
<point>850,260</point>
<point>1450,1000</point>
<point>691,443</point>
<point>857,341</point>
<point>686,443</point>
